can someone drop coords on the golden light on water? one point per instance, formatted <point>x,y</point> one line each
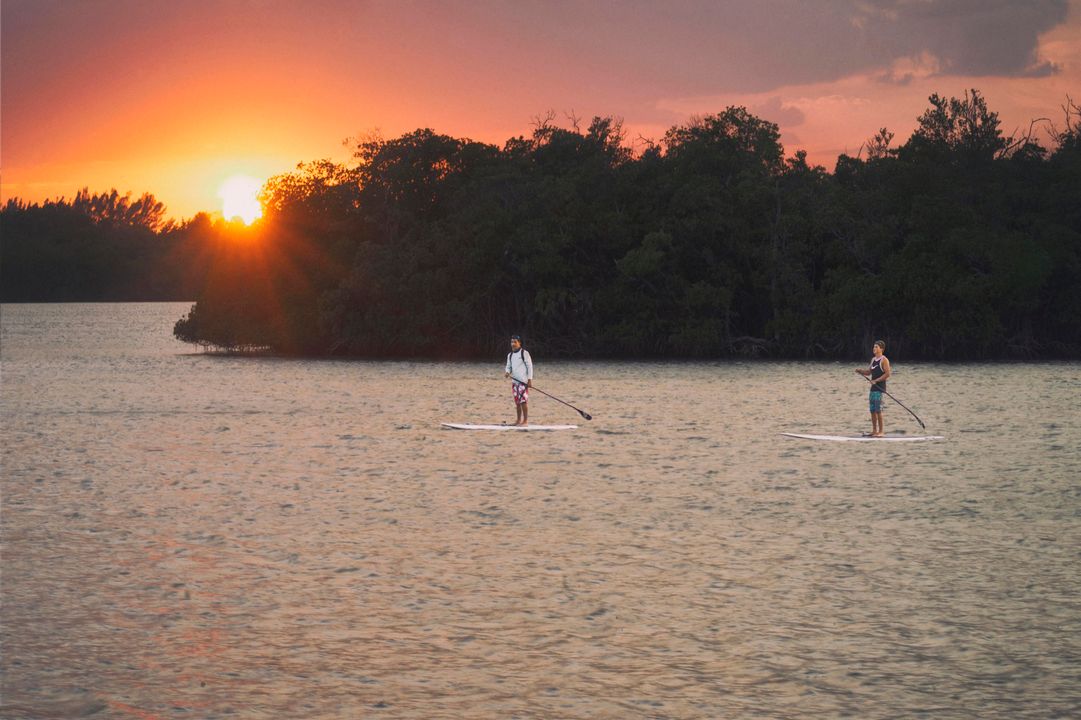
<point>240,199</point>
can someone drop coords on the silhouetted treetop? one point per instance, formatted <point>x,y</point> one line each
<point>959,242</point>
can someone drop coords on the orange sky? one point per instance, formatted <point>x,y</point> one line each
<point>172,98</point>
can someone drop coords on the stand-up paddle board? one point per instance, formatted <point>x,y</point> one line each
<point>865,438</point>
<point>471,426</point>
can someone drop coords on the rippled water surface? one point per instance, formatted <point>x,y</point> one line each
<point>194,536</point>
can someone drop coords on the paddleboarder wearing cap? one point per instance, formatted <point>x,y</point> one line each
<point>520,370</point>
<point>879,373</point>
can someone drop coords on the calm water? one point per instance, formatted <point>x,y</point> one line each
<point>191,536</point>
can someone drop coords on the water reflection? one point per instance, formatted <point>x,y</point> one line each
<point>193,536</point>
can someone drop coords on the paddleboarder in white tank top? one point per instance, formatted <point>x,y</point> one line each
<point>520,370</point>
<point>879,372</point>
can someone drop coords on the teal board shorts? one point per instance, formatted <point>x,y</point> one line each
<point>875,401</point>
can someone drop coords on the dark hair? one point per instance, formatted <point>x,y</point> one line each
<point>881,344</point>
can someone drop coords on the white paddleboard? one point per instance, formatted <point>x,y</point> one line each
<point>865,438</point>
<point>471,426</point>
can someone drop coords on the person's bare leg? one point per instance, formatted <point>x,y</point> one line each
<point>525,413</point>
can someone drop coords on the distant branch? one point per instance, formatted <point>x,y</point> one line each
<point>543,123</point>
<point>574,121</point>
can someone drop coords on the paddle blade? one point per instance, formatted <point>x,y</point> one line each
<point>586,415</point>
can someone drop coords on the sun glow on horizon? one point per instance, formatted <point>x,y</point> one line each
<point>240,199</point>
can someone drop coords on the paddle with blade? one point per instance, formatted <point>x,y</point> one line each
<point>895,400</point>
<point>583,413</point>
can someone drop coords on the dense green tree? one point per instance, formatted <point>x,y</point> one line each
<point>96,247</point>
<point>957,243</point>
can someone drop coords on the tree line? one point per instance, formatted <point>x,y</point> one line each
<point>101,247</point>
<point>960,243</point>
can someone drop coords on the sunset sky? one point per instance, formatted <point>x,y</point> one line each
<point>174,98</point>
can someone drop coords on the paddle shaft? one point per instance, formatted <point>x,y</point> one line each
<point>895,400</point>
<point>583,413</point>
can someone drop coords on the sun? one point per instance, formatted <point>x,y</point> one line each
<point>240,199</point>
